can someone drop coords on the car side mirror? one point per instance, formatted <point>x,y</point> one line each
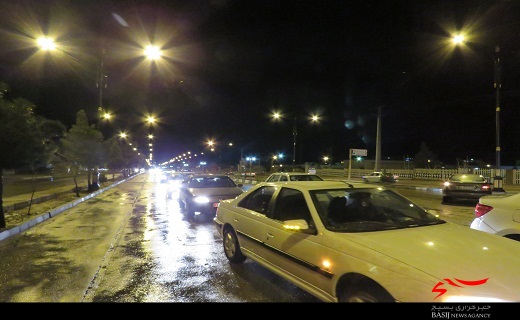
<point>298,225</point>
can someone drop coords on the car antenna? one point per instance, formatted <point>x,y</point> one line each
<point>350,185</point>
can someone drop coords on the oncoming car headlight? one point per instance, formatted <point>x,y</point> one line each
<point>201,199</point>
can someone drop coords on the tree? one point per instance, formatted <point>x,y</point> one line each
<point>82,146</point>
<point>425,158</point>
<point>116,160</point>
<point>25,139</point>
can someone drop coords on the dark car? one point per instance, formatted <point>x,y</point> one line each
<point>174,182</point>
<point>201,193</point>
<point>465,186</point>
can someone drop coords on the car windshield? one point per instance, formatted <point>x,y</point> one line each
<point>305,178</point>
<point>211,182</point>
<point>368,209</point>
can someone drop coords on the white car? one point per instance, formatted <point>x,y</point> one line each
<point>377,176</point>
<point>385,249</point>
<point>292,176</point>
<point>498,214</point>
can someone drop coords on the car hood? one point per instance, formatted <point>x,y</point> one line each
<point>215,192</point>
<point>455,252</point>
<point>500,197</point>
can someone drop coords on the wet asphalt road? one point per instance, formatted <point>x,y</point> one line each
<point>132,244</point>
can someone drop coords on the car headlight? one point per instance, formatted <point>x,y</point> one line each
<point>201,199</point>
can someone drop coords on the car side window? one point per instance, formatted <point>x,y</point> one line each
<point>290,204</point>
<point>283,178</point>
<point>258,201</point>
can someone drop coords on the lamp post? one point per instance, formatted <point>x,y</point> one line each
<point>275,158</point>
<point>497,181</point>
<point>250,159</point>
<point>102,80</point>
<point>295,132</point>
<point>313,118</point>
<point>150,120</point>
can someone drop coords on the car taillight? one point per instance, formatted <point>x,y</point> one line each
<point>486,187</point>
<point>482,209</point>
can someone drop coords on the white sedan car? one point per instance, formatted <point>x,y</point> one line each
<point>498,214</point>
<point>356,242</point>
<point>378,176</point>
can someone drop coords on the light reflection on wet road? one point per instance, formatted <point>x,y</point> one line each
<point>164,258</point>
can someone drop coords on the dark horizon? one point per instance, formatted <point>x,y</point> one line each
<point>231,63</point>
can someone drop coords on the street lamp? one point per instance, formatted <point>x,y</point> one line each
<point>250,159</point>
<point>276,157</point>
<point>46,43</point>
<point>313,118</point>
<point>497,181</point>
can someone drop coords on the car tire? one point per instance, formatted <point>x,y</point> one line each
<point>232,247</point>
<point>188,212</point>
<point>365,293</point>
<point>446,199</point>
<point>181,205</point>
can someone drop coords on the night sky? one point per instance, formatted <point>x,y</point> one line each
<point>227,65</point>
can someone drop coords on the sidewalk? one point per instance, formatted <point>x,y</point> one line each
<point>45,204</point>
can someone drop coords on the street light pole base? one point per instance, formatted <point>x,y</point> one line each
<point>497,185</point>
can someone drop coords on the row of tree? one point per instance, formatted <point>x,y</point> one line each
<point>31,141</point>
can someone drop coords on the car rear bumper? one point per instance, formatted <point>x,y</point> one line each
<point>464,194</point>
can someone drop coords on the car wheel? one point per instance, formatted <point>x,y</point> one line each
<point>232,247</point>
<point>181,205</point>
<point>446,199</point>
<point>188,212</point>
<point>365,293</point>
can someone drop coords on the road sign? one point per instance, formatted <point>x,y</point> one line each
<point>358,152</point>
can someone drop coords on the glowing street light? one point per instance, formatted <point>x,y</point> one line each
<point>152,52</point>
<point>46,43</point>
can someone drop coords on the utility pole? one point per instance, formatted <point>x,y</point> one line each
<point>378,141</point>
<point>497,182</point>
<point>102,80</point>
<point>295,132</point>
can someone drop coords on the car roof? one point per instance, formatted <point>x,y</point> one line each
<point>209,175</point>
<point>295,173</point>
<point>325,184</point>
